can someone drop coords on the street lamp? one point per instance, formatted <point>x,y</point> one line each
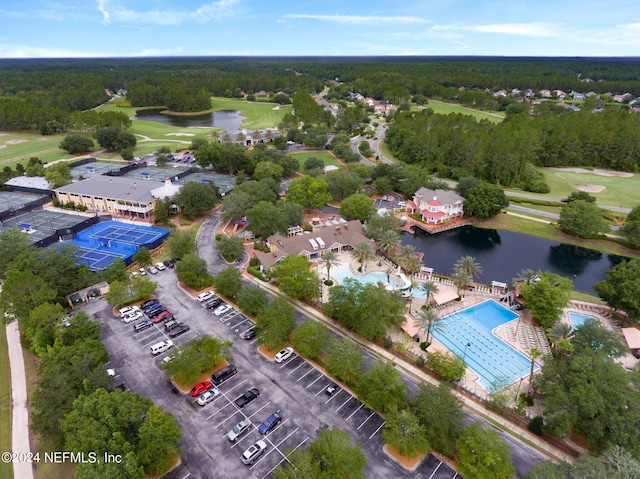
<point>468,345</point>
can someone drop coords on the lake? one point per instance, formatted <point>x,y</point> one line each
<point>229,120</point>
<point>503,254</point>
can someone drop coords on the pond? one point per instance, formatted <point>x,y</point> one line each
<point>503,254</point>
<point>229,120</point>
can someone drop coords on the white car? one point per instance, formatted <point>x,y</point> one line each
<point>283,355</point>
<point>206,295</point>
<point>127,310</point>
<point>222,309</point>
<point>152,270</point>
<point>134,316</point>
<point>161,347</point>
<point>208,396</point>
<point>142,271</point>
<point>239,429</point>
<point>251,454</point>
<point>159,266</point>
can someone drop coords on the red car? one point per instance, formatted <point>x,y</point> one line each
<point>200,388</point>
<point>165,315</point>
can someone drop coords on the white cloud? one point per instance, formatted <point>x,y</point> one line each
<point>525,29</point>
<point>216,10</point>
<point>106,19</point>
<point>25,51</point>
<point>358,19</point>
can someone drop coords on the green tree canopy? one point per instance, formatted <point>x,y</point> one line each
<point>142,256</point>
<point>583,219</point>
<point>621,288</point>
<point>76,143</point>
<point>181,243</point>
<point>22,291</point>
<point>192,271</point>
<point>275,323</point>
<point>485,200</point>
<point>343,183</point>
<point>358,207</point>
<point>310,338</point>
<point>228,282</point>
<point>483,455</point>
<point>309,192</point>
<point>547,297</point>
<point>294,277</point>
<point>405,433</point>
<point>345,360</point>
<point>264,219</point>
<point>230,247</point>
<point>253,300</point>
<point>195,198</point>
<point>12,243</point>
<point>267,169</point>
<point>631,228</point>
<point>196,357</point>
<point>381,387</point>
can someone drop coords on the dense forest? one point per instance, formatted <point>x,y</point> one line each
<point>33,93</point>
<point>458,145</point>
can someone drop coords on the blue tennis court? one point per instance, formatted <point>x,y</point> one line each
<point>100,244</point>
<point>468,334</point>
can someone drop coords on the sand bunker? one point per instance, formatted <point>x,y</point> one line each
<point>589,188</point>
<point>15,142</point>
<point>596,171</point>
<point>180,134</point>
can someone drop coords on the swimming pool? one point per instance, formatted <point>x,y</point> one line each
<point>468,334</point>
<point>341,272</point>
<point>578,319</point>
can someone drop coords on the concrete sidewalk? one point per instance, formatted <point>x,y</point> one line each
<point>20,421</point>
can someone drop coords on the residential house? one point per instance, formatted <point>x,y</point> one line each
<point>529,94</point>
<point>622,98</point>
<point>436,206</point>
<point>500,93</point>
<point>560,94</point>
<point>578,96</point>
<point>261,94</point>
<point>332,235</point>
<point>545,93</point>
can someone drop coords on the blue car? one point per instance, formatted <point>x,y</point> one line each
<point>269,423</point>
<point>151,306</point>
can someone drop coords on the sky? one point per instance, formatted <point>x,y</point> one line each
<point>134,28</point>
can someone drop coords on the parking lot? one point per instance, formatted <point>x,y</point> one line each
<point>295,387</point>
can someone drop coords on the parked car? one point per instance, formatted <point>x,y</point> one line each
<point>134,316</point>
<point>142,325</point>
<point>151,306</point>
<point>156,312</point>
<point>269,423</point>
<point>253,452</point>
<point>247,397</point>
<point>239,429</point>
<point>178,330</point>
<point>152,270</point>
<point>161,347</point>
<point>142,271</point>
<point>127,310</point>
<point>148,302</point>
<point>213,303</point>
<point>332,389</point>
<point>165,315</point>
<point>249,333</point>
<point>159,266</point>
<point>168,263</point>
<point>208,396</point>
<point>204,296</point>
<point>223,374</point>
<point>283,355</point>
<point>221,309</point>
<point>200,388</point>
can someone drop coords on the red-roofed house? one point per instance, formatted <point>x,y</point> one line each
<point>436,206</point>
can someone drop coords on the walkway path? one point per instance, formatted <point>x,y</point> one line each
<point>20,421</point>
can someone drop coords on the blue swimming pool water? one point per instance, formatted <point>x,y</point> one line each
<point>341,272</point>
<point>578,319</point>
<point>486,354</point>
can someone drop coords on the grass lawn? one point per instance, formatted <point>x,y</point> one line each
<point>544,230</point>
<point>19,147</point>
<point>383,146</point>
<point>259,115</point>
<point>328,158</point>
<point>446,108</point>
<point>619,191</point>
<point>6,470</point>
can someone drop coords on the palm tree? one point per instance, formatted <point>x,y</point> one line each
<point>413,285</point>
<point>469,266</point>
<point>429,288</point>
<point>362,253</point>
<point>461,279</point>
<point>427,320</point>
<point>329,259</point>
<point>525,276</point>
<point>388,271</point>
<point>412,264</point>
<point>388,241</point>
<point>560,333</point>
<point>535,354</point>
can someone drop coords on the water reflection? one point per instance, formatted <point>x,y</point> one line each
<point>230,120</point>
<point>571,259</point>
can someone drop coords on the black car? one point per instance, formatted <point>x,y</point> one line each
<point>168,263</point>
<point>156,312</point>
<point>249,333</point>
<point>142,325</point>
<point>223,374</point>
<point>213,303</point>
<point>178,330</point>
<point>247,397</point>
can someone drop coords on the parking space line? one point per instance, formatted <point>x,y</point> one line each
<point>370,415</point>
<point>287,437</point>
<point>185,477</point>
<point>296,368</point>
<point>351,415</point>
<point>334,395</point>
<point>436,470</point>
<point>344,403</point>
<point>305,374</point>
<point>375,432</point>
<point>315,381</point>
<point>238,324</point>
<point>286,458</point>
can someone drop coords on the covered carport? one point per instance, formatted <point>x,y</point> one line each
<point>445,297</point>
<point>632,337</point>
